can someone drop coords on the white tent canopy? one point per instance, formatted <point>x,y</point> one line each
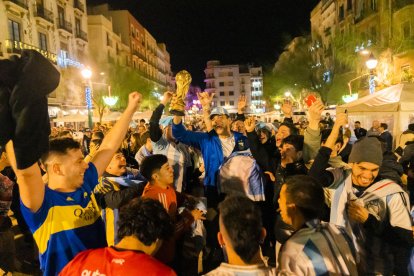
<point>393,105</point>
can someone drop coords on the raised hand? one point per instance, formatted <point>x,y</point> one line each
<point>241,105</point>
<point>287,109</point>
<point>134,100</point>
<point>205,98</point>
<point>166,97</point>
<point>315,111</point>
<point>341,120</point>
<point>250,124</point>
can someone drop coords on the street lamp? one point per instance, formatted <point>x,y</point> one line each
<point>87,74</point>
<point>371,63</point>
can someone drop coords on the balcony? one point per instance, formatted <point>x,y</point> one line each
<point>81,35</point>
<point>44,14</point>
<point>18,6</point>
<point>64,25</point>
<point>399,4</point>
<point>78,5</point>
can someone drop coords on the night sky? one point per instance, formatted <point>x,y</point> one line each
<point>232,31</point>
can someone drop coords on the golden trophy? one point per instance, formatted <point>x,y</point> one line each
<point>182,80</point>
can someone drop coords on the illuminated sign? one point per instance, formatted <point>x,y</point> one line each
<point>64,61</point>
<point>17,45</point>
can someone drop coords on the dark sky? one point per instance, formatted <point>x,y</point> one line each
<point>232,31</point>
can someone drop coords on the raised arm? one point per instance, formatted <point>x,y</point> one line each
<point>154,128</point>
<point>115,136</point>
<point>312,138</point>
<point>205,99</point>
<point>32,188</point>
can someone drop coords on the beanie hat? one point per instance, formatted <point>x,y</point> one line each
<point>367,149</point>
<point>294,140</point>
<point>411,127</point>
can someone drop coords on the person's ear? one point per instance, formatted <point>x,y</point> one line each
<point>220,239</point>
<point>56,169</point>
<point>263,234</point>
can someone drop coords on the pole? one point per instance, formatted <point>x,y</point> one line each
<point>88,96</point>
<point>371,82</point>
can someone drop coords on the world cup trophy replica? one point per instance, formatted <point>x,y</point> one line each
<point>182,80</point>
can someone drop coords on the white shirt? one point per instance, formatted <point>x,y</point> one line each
<point>228,145</point>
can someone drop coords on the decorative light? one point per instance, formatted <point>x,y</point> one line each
<point>88,96</point>
<point>288,94</point>
<point>110,100</point>
<point>277,106</point>
<point>350,98</point>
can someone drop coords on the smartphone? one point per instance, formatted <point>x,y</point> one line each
<point>309,100</point>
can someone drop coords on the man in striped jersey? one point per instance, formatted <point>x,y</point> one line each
<point>316,248</point>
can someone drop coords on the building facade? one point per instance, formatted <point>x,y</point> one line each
<point>229,82</point>
<point>382,27</point>
<point>144,54</point>
<point>58,30</point>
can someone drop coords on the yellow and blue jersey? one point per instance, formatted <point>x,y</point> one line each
<point>66,224</point>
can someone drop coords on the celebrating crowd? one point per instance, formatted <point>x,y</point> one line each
<point>220,195</point>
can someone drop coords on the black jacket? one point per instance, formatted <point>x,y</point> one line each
<point>25,83</point>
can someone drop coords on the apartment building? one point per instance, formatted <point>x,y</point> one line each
<point>143,46</point>
<point>384,27</point>
<point>58,30</point>
<point>229,82</point>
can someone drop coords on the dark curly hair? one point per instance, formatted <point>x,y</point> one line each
<point>243,224</point>
<point>152,164</point>
<point>146,219</point>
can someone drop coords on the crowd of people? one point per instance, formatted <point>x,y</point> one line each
<point>221,195</point>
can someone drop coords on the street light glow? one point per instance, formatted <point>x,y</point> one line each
<point>288,94</point>
<point>372,62</point>
<point>86,73</point>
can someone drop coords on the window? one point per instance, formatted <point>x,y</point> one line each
<point>230,74</point>
<point>349,5</point>
<point>231,103</point>
<point>61,16</point>
<point>231,93</point>
<point>341,13</point>
<point>231,83</point>
<point>374,5</point>
<point>222,103</point>
<point>406,30</point>
<point>64,47</point>
<point>108,40</point>
<point>221,83</point>
<point>77,26</point>
<point>222,94</point>
<point>14,30</point>
<point>42,41</point>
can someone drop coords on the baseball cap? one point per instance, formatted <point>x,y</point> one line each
<point>219,111</point>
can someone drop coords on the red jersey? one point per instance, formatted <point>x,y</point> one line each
<point>108,261</point>
<point>167,197</point>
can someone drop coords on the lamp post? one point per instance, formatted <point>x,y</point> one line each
<point>371,63</point>
<point>87,74</point>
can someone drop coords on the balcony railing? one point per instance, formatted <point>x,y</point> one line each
<point>65,25</point>
<point>82,35</point>
<point>21,3</point>
<point>44,13</point>
<point>78,5</point>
